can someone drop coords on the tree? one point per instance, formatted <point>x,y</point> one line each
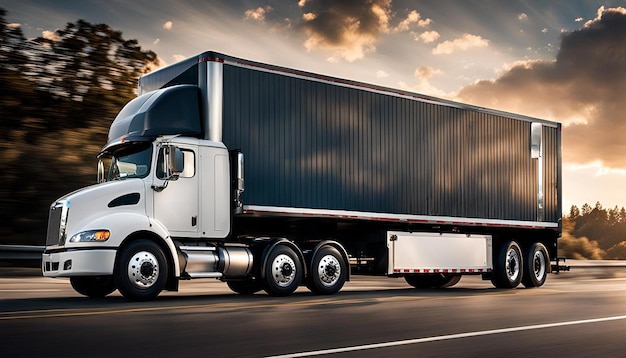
<point>574,212</point>
<point>58,97</point>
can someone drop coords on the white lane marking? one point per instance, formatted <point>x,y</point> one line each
<point>448,337</point>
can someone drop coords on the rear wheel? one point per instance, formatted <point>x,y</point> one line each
<point>93,286</point>
<point>508,266</point>
<point>141,271</point>
<point>536,266</point>
<point>432,280</point>
<point>328,271</point>
<point>283,272</point>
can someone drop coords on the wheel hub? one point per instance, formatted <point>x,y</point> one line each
<point>143,269</point>
<point>539,265</point>
<point>329,270</point>
<point>512,265</point>
<point>283,270</point>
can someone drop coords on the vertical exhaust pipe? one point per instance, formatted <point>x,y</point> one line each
<point>210,80</point>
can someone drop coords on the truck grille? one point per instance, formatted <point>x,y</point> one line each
<point>54,224</point>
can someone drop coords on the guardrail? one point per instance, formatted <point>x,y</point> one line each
<point>20,252</point>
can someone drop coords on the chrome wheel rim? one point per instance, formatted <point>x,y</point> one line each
<point>539,265</point>
<point>283,270</point>
<point>143,269</point>
<point>329,270</point>
<point>512,265</point>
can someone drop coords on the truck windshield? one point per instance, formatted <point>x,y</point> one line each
<point>135,164</point>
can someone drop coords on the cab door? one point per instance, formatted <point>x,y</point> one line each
<point>176,206</point>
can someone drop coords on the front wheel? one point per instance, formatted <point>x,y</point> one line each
<point>93,286</point>
<point>141,271</point>
<point>508,266</point>
<point>536,266</point>
<point>283,271</point>
<point>328,272</point>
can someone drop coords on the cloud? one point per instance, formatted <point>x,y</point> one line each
<point>463,43</point>
<point>156,42</point>
<point>178,57</point>
<point>14,25</point>
<point>522,17</point>
<point>583,87</point>
<point>578,19</point>
<point>426,72</point>
<point>168,25</point>
<point>381,74</point>
<point>426,37</point>
<point>350,29</point>
<point>413,17</point>
<point>50,35</point>
<point>257,14</point>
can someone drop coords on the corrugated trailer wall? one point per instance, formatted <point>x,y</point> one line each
<point>311,144</point>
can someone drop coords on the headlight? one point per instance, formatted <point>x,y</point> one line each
<point>91,236</point>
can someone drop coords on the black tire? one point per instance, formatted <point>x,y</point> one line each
<point>436,280</point>
<point>328,272</point>
<point>283,271</point>
<point>141,271</point>
<point>508,266</point>
<point>245,287</point>
<point>536,266</point>
<point>93,286</point>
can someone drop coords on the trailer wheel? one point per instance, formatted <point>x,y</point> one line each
<point>328,272</point>
<point>93,286</point>
<point>536,266</point>
<point>508,266</point>
<point>432,280</point>
<point>283,272</point>
<point>141,271</point>
<point>245,287</point>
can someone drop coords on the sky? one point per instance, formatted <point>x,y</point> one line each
<point>560,60</point>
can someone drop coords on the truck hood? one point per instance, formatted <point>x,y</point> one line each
<point>88,204</point>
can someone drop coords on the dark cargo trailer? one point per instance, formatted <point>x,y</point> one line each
<point>339,176</point>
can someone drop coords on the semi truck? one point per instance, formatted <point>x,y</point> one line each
<point>340,178</point>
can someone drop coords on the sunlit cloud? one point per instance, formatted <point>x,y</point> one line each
<point>50,35</point>
<point>156,42</point>
<point>381,74</point>
<point>582,87</point>
<point>578,19</point>
<point>463,43</point>
<point>257,14</point>
<point>426,72</point>
<point>14,25</point>
<point>413,17</point>
<point>351,29</point>
<point>168,25</point>
<point>426,37</point>
<point>178,57</point>
<point>522,17</point>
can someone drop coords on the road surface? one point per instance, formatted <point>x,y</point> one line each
<point>573,315</point>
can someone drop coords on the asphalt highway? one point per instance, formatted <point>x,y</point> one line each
<point>576,314</point>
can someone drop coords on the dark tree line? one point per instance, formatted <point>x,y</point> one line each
<point>595,232</point>
<point>58,96</point>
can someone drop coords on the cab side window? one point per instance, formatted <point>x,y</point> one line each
<point>190,165</point>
